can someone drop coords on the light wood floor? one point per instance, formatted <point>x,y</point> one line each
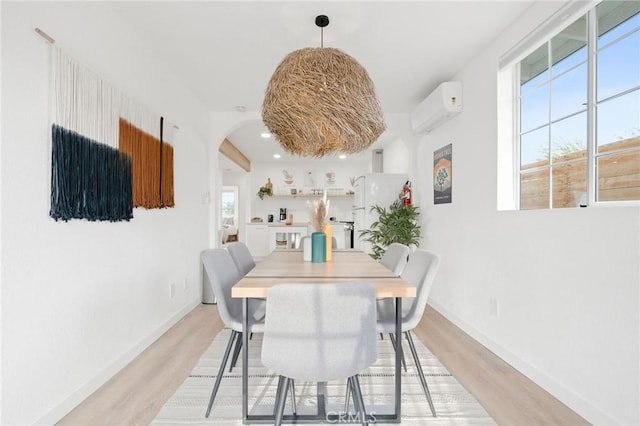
<point>135,395</point>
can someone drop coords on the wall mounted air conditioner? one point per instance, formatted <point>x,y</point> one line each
<point>440,106</point>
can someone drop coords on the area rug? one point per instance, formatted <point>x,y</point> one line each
<point>453,404</point>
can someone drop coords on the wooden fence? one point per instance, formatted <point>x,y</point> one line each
<point>618,177</point>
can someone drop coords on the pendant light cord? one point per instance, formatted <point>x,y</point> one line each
<point>322,21</point>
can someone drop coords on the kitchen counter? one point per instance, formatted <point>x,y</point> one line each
<point>279,224</point>
<point>264,237</point>
<point>294,224</point>
<point>283,225</point>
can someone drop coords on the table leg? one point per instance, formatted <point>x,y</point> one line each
<point>398,392</point>
<point>245,360</point>
<point>322,399</point>
<point>395,418</point>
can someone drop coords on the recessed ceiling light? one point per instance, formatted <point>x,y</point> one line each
<point>276,156</point>
<point>265,135</point>
<point>241,108</point>
<point>342,156</point>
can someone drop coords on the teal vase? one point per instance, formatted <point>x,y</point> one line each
<point>318,247</point>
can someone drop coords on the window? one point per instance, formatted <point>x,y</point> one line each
<point>229,203</point>
<point>579,112</point>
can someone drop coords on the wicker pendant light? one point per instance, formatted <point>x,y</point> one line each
<point>320,101</point>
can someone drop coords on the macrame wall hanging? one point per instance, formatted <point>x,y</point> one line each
<point>109,154</point>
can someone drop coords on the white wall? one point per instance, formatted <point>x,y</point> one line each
<point>566,281</point>
<point>80,299</point>
<point>399,155</point>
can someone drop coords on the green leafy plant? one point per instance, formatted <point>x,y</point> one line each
<point>398,224</point>
<point>264,191</point>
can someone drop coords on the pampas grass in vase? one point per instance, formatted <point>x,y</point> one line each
<point>319,215</point>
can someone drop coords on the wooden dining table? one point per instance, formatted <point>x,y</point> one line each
<point>347,265</point>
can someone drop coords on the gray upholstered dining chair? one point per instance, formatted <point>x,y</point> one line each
<point>223,275</point>
<point>395,257</point>
<point>320,333</point>
<point>421,270</point>
<point>244,262</point>
<point>241,256</point>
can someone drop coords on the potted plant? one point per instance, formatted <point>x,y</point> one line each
<point>398,224</point>
<point>264,191</point>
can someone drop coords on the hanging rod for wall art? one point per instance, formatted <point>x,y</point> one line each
<point>45,36</point>
<point>51,40</point>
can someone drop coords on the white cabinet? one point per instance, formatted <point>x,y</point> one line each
<point>257,240</point>
<point>262,239</point>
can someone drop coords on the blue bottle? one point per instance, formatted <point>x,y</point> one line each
<point>318,247</point>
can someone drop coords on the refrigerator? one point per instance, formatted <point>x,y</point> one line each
<point>371,189</point>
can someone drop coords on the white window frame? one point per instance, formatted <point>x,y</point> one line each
<point>509,193</point>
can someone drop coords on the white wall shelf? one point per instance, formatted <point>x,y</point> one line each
<point>310,196</point>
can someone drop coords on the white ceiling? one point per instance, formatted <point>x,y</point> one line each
<point>226,51</point>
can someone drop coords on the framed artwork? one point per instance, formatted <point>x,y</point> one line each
<point>442,175</point>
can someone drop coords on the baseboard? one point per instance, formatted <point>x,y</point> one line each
<point>94,384</point>
<point>567,396</point>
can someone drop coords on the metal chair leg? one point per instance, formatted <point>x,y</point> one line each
<point>292,388</point>
<point>351,395</point>
<point>347,396</point>
<point>292,391</point>
<point>358,401</point>
<point>420,373</point>
<point>280,401</point>
<point>393,342</point>
<point>275,405</point>
<point>236,352</point>
<point>225,358</point>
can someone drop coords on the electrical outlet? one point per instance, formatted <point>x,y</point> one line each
<point>171,290</point>
<point>494,307</point>
<point>185,284</point>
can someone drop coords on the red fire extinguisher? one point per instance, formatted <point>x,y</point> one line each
<point>406,194</point>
